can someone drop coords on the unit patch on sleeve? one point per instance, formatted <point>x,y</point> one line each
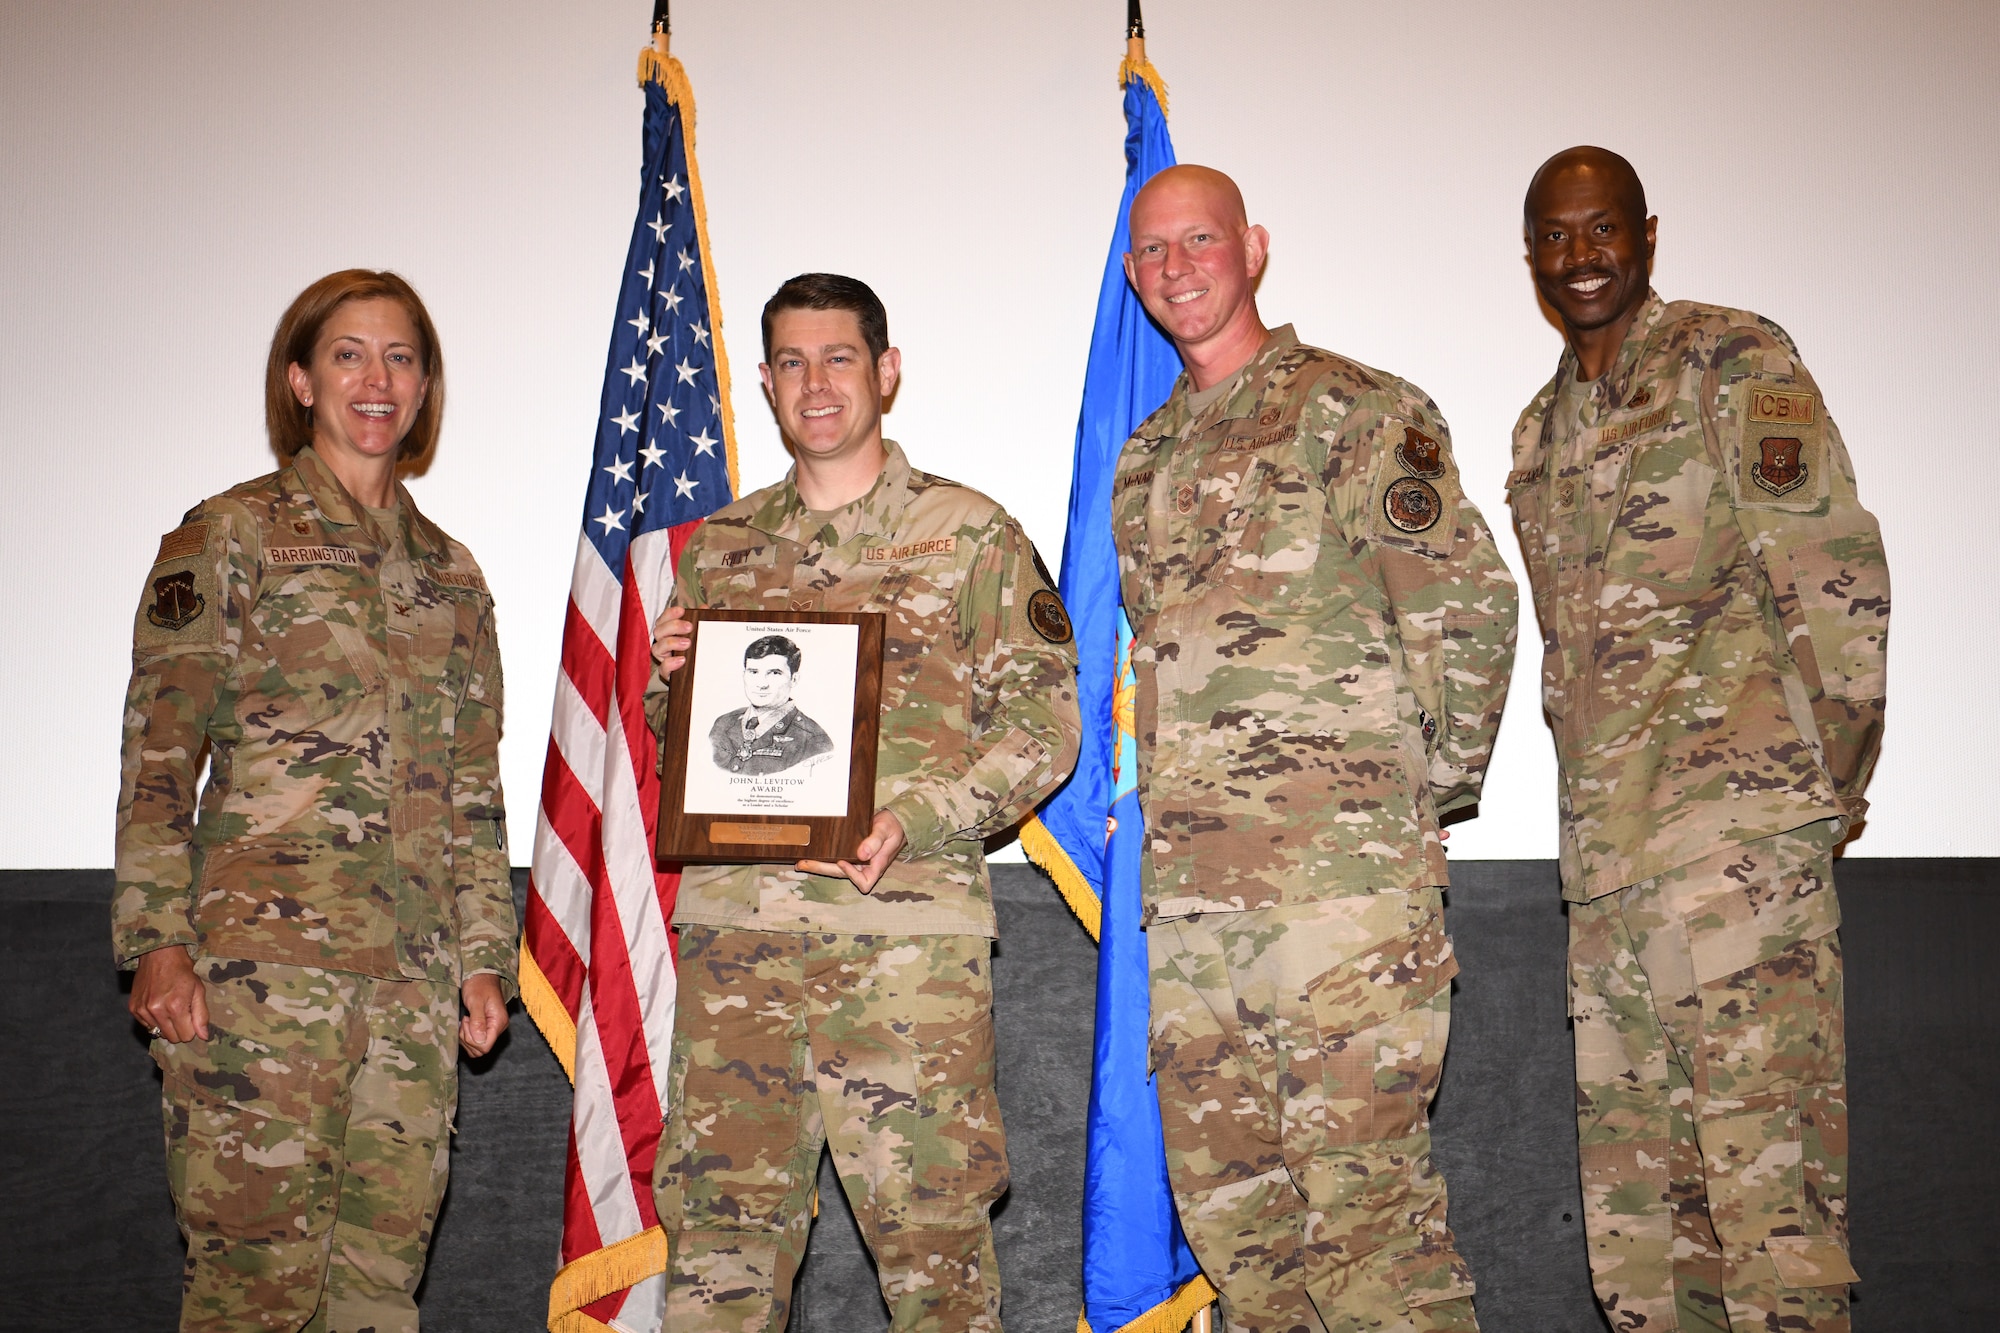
<point>1412,504</point>
<point>1421,456</point>
<point>178,609</point>
<point>1047,614</point>
<point>1780,446</point>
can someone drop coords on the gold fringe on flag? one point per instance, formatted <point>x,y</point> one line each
<point>655,64</point>
<point>539,998</point>
<point>598,1274</point>
<point>1043,849</point>
<point>1169,1316</point>
<point>1136,66</point>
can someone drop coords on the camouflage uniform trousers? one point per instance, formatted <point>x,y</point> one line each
<point>1711,1092</point>
<point>308,1139</point>
<point>1297,1051</point>
<point>879,1046</point>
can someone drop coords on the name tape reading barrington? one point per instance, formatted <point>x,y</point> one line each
<point>312,555</point>
<point>894,555</point>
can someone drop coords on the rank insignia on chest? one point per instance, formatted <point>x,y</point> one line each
<point>1184,497</point>
<point>1420,455</point>
<point>1641,398</point>
<point>176,604</point>
<point>1781,469</point>
<point>1412,504</point>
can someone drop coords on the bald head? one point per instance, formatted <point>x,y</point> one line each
<point>1181,186</point>
<point>1611,174</point>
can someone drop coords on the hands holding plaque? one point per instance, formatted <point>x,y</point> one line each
<point>769,748</point>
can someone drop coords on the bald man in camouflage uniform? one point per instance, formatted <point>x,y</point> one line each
<point>850,1004</point>
<point>1714,604</point>
<point>1322,635</point>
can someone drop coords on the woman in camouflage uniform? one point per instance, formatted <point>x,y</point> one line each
<point>303,940</point>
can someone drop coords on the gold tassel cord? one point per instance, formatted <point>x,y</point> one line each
<point>1043,849</point>
<point>1136,66</point>
<point>658,66</point>
<point>1169,1316</point>
<point>538,997</point>
<point>598,1274</point>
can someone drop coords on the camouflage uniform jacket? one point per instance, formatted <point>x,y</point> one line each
<point>979,713</point>
<point>1322,635</point>
<point>1714,600</point>
<point>347,685</point>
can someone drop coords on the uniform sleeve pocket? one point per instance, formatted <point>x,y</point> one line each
<point>1843,588</point>
<point>1390,979</point>
<point>1810,1261</point>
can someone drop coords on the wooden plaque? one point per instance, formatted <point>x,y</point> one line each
<point>769,751</point>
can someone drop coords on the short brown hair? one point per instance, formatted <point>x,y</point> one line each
<point>831,291</point>
<point>289,421</point>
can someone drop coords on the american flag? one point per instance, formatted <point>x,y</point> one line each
<point>597,966</point>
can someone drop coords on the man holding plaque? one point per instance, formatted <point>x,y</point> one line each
<point>1322,631</point>
<point>850,1003</point>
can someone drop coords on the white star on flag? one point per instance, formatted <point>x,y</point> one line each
<point>642,323</point>
<point>660,229</point>
<point>610,518</point>
<point>686,371</point>
<point>652,453</point>
<point>656,342</point>
<point>628,421</point>
<point>672,296</point>
<point>705,443</point>
<point>639,502</point>
<point>668,413</point>
<point>675,189</point>
<point>647,273</point>
<point>683,486</point>
<point>621,469</point>
<point>700,333</point>
<point>687,259</point>
<point>637,370</point>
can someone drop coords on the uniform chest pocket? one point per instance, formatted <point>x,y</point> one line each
<point>736,577</point>
<point>1531,529</point>
<point>1270,539</point>
<point>1662,517</point>
<point>320,630</point>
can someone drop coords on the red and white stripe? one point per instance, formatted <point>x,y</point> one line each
<point>598,913</point>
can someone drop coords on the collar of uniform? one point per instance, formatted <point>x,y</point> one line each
<point>874,514</point>
<point>424,539</point>
<point>1616,380</point>
<point>1246,393</point>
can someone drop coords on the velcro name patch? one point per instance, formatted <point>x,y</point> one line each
<point>1639,425</point>
<point>456,578</point>
<point>1788,406</point>
<point>896,555</point>
<point>186,540</point>
<point>1131,479</point>
<point>312,555</point>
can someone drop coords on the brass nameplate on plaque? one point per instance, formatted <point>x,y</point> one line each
<point>782,835</point>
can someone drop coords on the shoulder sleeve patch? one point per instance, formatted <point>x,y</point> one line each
<point>1413,502</point>
<point>180,607</point>
<point>1779,446</point>
<point>1048,616</point>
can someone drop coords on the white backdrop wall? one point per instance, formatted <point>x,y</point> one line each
<point>170,175</point>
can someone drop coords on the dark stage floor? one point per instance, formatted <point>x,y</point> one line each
<point>91,1242</point>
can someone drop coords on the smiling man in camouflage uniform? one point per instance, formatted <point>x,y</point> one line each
<point>850,1004</point>
<point>1714,605</point>
<point>1322,635</point>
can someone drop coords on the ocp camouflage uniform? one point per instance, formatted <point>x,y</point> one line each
<point>1322,635</point>
<point>809,1013</point>
<point>344,873</point>
<point>1714,604</point>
